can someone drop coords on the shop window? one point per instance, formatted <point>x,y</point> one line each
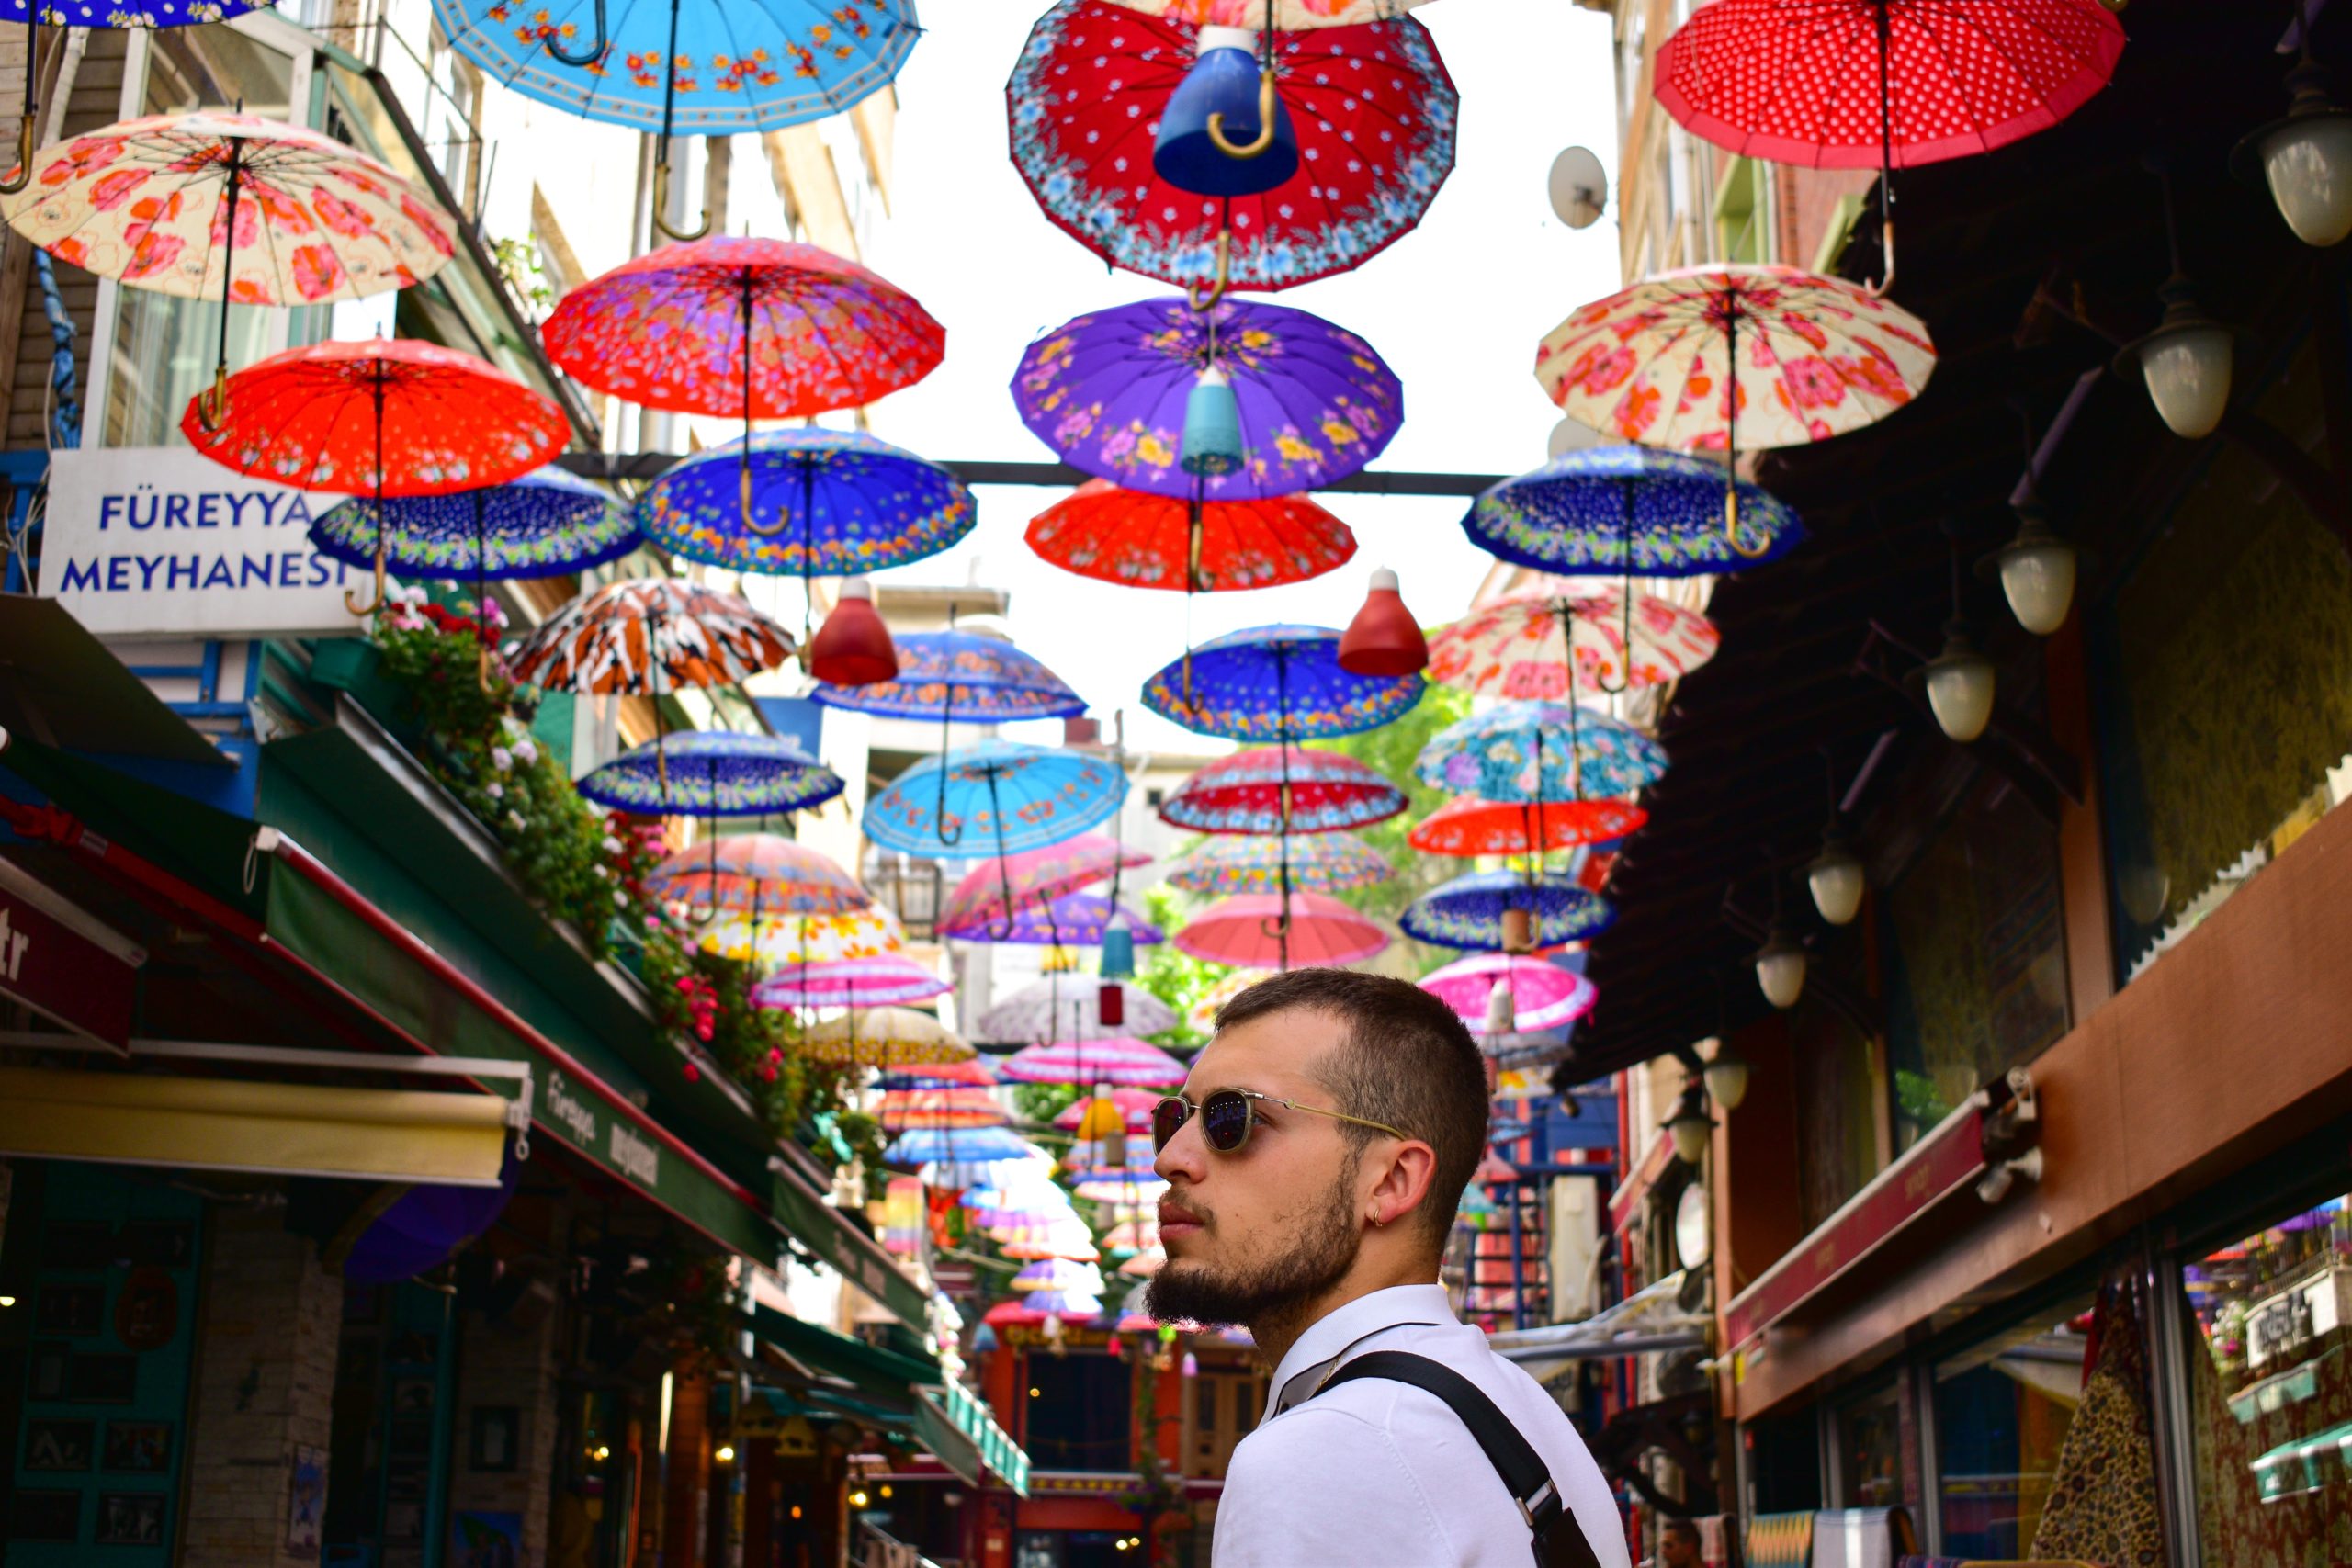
<point>1870,1453</point>
<point>2270,1392</point>
<point>2003,1410</point>
<point>2224,688</point>
<point>1975,954</point>
<point>1078,1412</point>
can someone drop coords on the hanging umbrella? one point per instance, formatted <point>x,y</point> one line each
<point>1065,1007</point>
<point>1317,862</point>
<point>1125,1184</point>
<point>805,504</point>
<point>884,980</point>
<point>1290,16</point>
<point>386,418</point>
<point>1544,995</point>
<point>757,872</point>
<point>1140,540</point>
<point>1468,911</point>
<point>1661,363</point>
<point>1116,1060</point>
<point>1270,931</point>
<point>250,211</point>
<point>1523,751</point>
<point>1060,1274</point>
<point>1276,682</point>
<point>922,1145</point>
<point>712,772</point>
<point>1037,876</point>
<point>887,1037</point>
<point>1134,1104</point>
<point>1033,1165</point>
<point>1374,111</point>
<point>1133,1235</point>
<point>803,940</point>
<point>1202,1014</point>
<point>1146,1263</point>
<point>971,1072</point>
<point>1011,796</point>
<point>1108,390</point>
<point>1890,84</point>
<point>1244,793</point>
<point>1468,825</point>
<point>951,675</point>
<point>1630,511</point>
<point>649,636</point>
<point>746,65</point>
<point>1074,920</point>
<point>1524,645</point>
<point>904,1109</point>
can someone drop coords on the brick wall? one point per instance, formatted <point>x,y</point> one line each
<point>272,1319</point>
<point>503,1365</point>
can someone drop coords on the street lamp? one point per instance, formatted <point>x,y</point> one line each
<point>1835,878</point>
<point>2037,570</point>
<point>1726,1075</point>
<point>1690,1126</point>
<point>1779,967</point>
<point>2306,158</point>
<point>2185,361</point>
<point>1960,684</point>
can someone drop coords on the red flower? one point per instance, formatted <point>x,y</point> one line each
<point>346,218</point>
<point>111,191</point>
<point>318,272</point>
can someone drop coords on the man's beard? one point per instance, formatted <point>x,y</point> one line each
<point>1323,1248</point>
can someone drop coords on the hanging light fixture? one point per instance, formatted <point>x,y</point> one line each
<point>1779,967</point>
<point>1726,1075</point>
<point>2037,569</point>
<point>1960,681</point>
<point>1836,877</point>
<point>1214,140</point>
<point>853,646</point>
<point>1691,1127</point>
<point>1212,426</point>
<point>2306,158</point>
<point>1118,947</point>
<point>2187,360</point>
<point>1383,639</point>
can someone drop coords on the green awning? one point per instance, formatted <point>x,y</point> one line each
<point>832,1235</point>
<point>970,1416</point>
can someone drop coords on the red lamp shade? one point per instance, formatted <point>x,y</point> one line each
<point>1383,639</point>
<point>854,648</point>
<point>1112,1005</point>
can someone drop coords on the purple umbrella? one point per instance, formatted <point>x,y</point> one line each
<point>1074,920</point>
<point>1108,390</point>
<point>884,980</point>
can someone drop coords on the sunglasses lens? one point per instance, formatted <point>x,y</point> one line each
<point>1167,1117</point>
<point>1225,1120</point>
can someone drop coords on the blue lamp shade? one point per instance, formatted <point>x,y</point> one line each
<point>1212,426</point>
<point>1118,948</point>
<point>983,1339</point>
<point>1224,80</point>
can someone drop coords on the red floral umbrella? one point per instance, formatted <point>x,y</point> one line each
<point>1374,112</point>
<point>1469,825</point>
<point>1206,547</point>
<point>1849,84</point>
<point>1036,877</point>
<point>392,418</point>
<point>1243,793</point>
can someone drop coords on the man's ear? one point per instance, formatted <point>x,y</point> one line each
<point>1402,1183</point>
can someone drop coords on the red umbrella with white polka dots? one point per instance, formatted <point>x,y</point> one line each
<point>1849,84</point>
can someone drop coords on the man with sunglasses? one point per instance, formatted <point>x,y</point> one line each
<point>1315,1160</point>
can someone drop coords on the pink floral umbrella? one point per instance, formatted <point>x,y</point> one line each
<point>1521,645</point>
<point>1722,358</point>
<point>1037,877</point>
<point>1243,931</point>
<point>1135,1104</point>
<point>881,980</point>
<point>1544,996</point>
<point>1118,1061</point>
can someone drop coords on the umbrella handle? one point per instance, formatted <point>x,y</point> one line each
<point>1257,144</point>
<point>351,600</point>
<point>662,200</point>
<point>1223,276</point>
<point>1731,517</point>
<point>596,50</point>
<point>212,403</point>
<point>24,172</point>
<point>1880,290</point>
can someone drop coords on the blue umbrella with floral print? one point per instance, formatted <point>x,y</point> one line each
<point>1517,752</point>
<point>1108,391</point>
<point>712,772</point>
<point>1496,911</point>
<point>546,524</point>
<point>1635,511</point>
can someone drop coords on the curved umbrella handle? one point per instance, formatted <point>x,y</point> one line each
<point>1731,523</point>
<point>1256,144</point>
<point>212,403</point>
<point>351,600</point>
<point>24,175</point>
<point>662,199</point>
<point>1880,290</point>
<point>1223,276</point>
<point>596,50</point>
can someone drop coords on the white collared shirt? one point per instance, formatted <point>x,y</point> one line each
<point>1375,1473</point>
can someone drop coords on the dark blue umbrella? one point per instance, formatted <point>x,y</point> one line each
<point>1633,511</point>
<point>713,773</point>
<point>950,675</point>
<point>544,524</point>
<point>1468,912</point>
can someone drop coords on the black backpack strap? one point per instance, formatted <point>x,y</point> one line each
<point>1559,1541</point>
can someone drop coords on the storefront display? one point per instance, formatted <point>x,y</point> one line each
<point>2003,1411</point>
<point>1870,1453</point>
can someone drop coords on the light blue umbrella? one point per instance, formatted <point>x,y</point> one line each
<point>1517,752</point>
<point>1003,794</point>
<point>1467,912</point>
<point>955,1145</point>
<point>1636,511</point>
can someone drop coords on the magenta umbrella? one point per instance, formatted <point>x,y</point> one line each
<point>1246,931</point>
<point>1135,1104</point>
<point>884,980</point>
<point>1037,877</point>
<point>1118,1060</point>
<point>1544,996</point>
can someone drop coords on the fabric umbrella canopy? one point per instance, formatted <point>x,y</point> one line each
<point>1468,911</point>
<point>1146,1263</point>
<point>1202,1013</point>
<point>1036,876</point>
<point>1116,1060</point>
<point>1290,16</point>
<point>1060,1274</point>
<point>1140,540</point>
<point>1108,390</point>
<point>1632,511</point>
<point>1523,751</point>
<point>888,1037</point>
<point>1373,112</point>
<point>1075,1305</point>
<point>1549,646</point>
<point>1004,794</point>
<point>380,417</point>
<point>1135,1234</point>
<point>1244,793</point>
<point>757,872</point>
<point>712,772</point>
<point>1062,1007</point>
<point>923,1145</point>
<point>1074,920</point>
<point>1544,996</point>
<point>883,980</point>
<point>974,1072</point>
<point>1136,1105</point>
<point>901,1110</point>
<point>1265,931</point>
<point>1884,83</point>
<point>1315,863</point>
<point>1124,1184</point>
<point>804,939</point>
<point>955,675</point>
<point>233,207</point>
<point>1467,826</point>
<point>545,524</point>
<point>1276,682</point>
<point>649,636</point>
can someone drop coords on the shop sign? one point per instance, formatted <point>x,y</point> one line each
<point>159,541</point>
<point>57,971</point>
<point>2284,1326</point>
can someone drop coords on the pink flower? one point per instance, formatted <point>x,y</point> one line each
<point>1812,383</point>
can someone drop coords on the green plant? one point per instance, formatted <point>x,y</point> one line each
<point>1173,975</point>
<point>518,263</point>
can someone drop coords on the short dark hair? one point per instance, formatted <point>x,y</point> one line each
<point>1406,1059</point>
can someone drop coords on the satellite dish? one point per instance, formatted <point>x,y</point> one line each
<point>1578,186</point>
<point>1571,436</point>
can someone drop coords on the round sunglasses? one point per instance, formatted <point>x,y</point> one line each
<point>1228,1115</point>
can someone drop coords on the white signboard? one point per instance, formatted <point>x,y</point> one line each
<point>157,541</point>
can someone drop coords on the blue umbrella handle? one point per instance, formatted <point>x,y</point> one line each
<point>596,50</point>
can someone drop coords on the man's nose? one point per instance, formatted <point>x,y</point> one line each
<point>1183,1155</point>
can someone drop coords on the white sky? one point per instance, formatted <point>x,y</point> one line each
<point>1455,308</point>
